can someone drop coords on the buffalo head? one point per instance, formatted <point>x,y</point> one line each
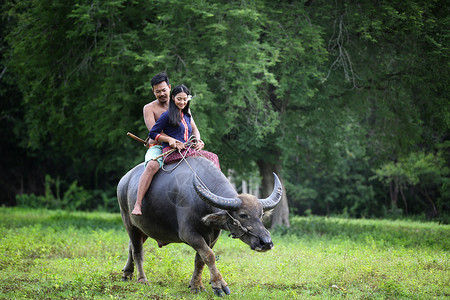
<point>242,215</point>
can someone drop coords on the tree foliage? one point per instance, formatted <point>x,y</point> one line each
<point>327,94</point>
<point>384,82</point>
<point>426,172</point>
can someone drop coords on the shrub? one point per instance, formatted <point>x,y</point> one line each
<point>75,197</point>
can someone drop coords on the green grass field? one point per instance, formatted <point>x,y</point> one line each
<point>60,255</point>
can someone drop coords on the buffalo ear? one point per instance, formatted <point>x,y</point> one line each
<point>267,215</point>
<point>218,220</point>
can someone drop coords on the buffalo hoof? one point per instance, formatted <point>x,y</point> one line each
<point>219,292</point>
<point>143,280</point>
<point>127,277</point>
<point>197,290</point>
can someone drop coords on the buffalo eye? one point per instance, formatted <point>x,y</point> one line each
<point>243,216</point>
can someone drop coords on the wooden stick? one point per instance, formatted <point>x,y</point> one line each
<point>137,138</point>
<point>167,153</point>
<point>145,144</point>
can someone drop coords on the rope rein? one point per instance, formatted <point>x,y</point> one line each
<point>238,224</point>
<point>190,143</point>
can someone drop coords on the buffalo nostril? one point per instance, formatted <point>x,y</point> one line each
<point>266,240</point>
<point>266,243</point>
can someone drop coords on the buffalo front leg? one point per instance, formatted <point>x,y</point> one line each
<point>196,283</point>
<point>218,285</point>
<point>128,270</point>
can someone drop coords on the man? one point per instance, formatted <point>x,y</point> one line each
<point>152,111</point>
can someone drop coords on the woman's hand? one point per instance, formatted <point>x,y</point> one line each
<point>176,144</point>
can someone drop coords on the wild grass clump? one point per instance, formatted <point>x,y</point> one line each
<point>58,255</point>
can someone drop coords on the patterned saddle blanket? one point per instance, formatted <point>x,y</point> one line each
<point>176,156</point>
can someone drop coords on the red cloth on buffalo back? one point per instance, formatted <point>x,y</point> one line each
<point>176,156</point>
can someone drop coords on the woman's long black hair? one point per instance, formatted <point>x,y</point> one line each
<point>174,112</point>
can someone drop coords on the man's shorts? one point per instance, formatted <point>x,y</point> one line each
<point>153,152</point>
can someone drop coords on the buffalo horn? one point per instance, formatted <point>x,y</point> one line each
<point>215,200</point>
<point>275,197</point>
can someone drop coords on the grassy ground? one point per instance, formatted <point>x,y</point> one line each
<point>60,255</point>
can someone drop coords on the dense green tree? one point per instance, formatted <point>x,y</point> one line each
<point>79,92</point>
<point>388,72</point>
<point>425,172</point>
<point>323,93</point>
<point>16,167</point>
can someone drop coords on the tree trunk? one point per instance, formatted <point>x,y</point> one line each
<point>393,191</point>
<point>435,212</point>
<point>280,214</point>
<point>244,187</point>
<point>404,201</point>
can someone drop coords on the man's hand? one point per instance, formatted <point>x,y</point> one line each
<point>199,145</point>
<point>147,141</point>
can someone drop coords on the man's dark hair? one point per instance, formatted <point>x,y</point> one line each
<point>174,115</point>
<point>158,78</point>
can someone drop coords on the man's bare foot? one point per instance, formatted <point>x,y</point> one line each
<point>136,211</point>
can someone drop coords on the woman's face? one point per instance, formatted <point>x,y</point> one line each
<point>181,100</point>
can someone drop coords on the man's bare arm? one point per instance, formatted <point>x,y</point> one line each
<point>149,116</point>
<point>149,119</point>
<point>195,130</point>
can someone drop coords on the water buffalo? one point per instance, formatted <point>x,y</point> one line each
<point>191,205</point>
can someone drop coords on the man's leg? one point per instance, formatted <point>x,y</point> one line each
<point>144,182</point>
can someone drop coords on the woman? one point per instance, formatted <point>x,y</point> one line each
<point>176,124</point>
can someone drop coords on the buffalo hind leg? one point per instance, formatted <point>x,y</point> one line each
<point>128,270</point>
<point>137,239</point>
<point>196,284</point>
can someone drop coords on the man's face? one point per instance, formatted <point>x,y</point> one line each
<point>161,91</point>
